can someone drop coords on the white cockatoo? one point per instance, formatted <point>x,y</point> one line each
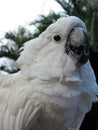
<point>55,86</point>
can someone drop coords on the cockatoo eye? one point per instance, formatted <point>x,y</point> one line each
<point>57,37</point>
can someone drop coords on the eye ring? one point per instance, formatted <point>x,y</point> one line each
<point>57,37</point>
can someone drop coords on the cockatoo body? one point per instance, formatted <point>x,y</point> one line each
<point>55,86</point>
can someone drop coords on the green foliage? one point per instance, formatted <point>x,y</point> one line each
<point>19,37</point>
<point>44,21</point>
<point>14,40</point>
<point>94,31</point>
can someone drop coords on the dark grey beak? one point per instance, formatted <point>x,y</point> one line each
<point>77,46</point>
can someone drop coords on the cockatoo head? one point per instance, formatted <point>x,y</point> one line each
<point>72,31</point>
<point>59,50</point>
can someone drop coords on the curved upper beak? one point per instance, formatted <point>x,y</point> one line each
<point>77,46</point>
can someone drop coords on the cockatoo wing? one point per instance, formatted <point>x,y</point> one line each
<point>17,107</point>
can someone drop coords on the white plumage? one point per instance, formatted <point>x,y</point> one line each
<point>50,92</point>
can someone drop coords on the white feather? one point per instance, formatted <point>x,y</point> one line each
<point>49,92</point>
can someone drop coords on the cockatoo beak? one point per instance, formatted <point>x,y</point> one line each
<point>77,46</point>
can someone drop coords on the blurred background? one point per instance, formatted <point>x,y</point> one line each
<point>22,20</point>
